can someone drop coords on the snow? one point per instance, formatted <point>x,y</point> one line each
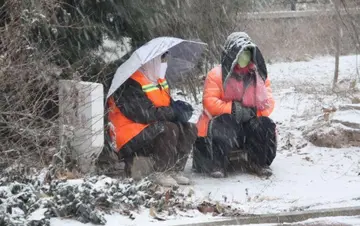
<point>143,218</point>
<point>317,71</point>
<point>37,214</point>
<point>4,191</point>
<point>42,175</point>
<point>355,106</point>
<point>17,212</point>
<point>111,50</point>
<point>103,183</point>
<point>349,116</point>
<point>312,178</point>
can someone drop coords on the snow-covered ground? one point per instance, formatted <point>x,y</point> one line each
<point>304,176</point>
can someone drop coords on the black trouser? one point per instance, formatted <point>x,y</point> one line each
<point>167,143</point>
<point>257,138</point>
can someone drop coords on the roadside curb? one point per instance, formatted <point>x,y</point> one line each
<point>288,217</point>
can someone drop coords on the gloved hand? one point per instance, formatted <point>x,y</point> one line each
<point>183,111</point>
<point>242,114</point>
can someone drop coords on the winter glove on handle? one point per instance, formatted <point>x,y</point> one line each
<point>183,110</point>
<point>242,114</point>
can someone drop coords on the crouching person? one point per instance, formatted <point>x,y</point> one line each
<point>146,121</point>
<point>237,101</point>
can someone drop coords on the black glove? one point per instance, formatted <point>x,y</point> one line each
<point>183,111</point>
<point>165,114</point>
<point>242,114</point>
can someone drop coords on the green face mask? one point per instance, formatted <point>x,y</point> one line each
<point>244,58</point>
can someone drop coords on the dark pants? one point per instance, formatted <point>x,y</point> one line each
<point>167,143</point>
<point>256,138</point>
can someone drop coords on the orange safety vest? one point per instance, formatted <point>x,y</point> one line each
<point>214,103</point>
<point>123,129</point>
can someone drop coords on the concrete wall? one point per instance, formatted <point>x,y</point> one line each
<point>294,36</point>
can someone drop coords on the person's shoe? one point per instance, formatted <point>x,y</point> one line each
<point>180,179</point>
<point>263,172</point>
<point>217,174</point>
<point>164,180</point>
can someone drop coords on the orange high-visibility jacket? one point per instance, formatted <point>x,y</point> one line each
<point>123,129</point>
<point>214,105</point>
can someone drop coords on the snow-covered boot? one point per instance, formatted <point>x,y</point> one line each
<point>180,178</point>
<point>163,179</point>
<point>262,171</point>
<point>217,174</point>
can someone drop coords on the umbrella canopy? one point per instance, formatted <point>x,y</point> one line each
<point>183,57</point>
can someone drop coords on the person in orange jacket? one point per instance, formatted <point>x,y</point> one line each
<point>237,101</point>
<point>146,121</point>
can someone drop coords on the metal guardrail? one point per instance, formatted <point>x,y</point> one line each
<point>298,14</point>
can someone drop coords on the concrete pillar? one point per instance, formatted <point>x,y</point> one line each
<point>81,106</point>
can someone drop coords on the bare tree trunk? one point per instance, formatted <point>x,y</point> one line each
<point>337,45</point>
<point>337,55</point>
<point>206,64</point>
<point>293,5</point>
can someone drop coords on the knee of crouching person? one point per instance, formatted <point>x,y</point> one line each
<point>267,122</point>
<point>191,131</point>
<point>171,129</point>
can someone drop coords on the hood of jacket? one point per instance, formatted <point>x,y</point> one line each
<point>234,45</point>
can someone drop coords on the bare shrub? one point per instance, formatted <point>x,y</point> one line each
<point>27,111</point>
<point>29,75</point>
